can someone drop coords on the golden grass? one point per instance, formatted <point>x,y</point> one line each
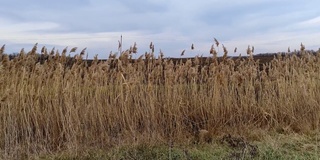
<point>57,105</point>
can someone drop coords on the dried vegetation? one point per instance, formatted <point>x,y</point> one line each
<point>51,104</point>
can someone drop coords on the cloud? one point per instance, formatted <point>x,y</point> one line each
<point>269,25</point>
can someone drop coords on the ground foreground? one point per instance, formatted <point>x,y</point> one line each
<point>270,146</point>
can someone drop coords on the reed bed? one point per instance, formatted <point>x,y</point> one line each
<point>55,105</point>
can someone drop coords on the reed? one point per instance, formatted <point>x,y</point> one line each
<point>57,105</point>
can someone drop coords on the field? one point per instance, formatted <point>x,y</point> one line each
<point>56,107</point>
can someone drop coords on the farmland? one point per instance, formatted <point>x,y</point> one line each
<point>51,103</point>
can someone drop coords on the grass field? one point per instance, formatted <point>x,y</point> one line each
<point>56,107</point>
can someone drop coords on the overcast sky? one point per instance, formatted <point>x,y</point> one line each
<point>172,26</point>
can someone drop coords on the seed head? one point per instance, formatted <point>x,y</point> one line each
<point>43,49</point>
<point>2,49</point>
<point>225,50</point>
<point>249,52</point>
<point>74,49</point>
<point>302,48</point>
<point>217,42</point>
<point>151,45</point>
<point>34,49</point>
<point>212,50</point>
<point>182,53</point>
<point>134,49</point>
<point>83,51</point>
<point>64,51</point>
<point>119,44</point>
<point>52,51</point>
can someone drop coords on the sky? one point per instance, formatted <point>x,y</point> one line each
<point>172,26</point>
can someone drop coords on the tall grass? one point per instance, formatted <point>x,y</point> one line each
<point>57,105</point>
